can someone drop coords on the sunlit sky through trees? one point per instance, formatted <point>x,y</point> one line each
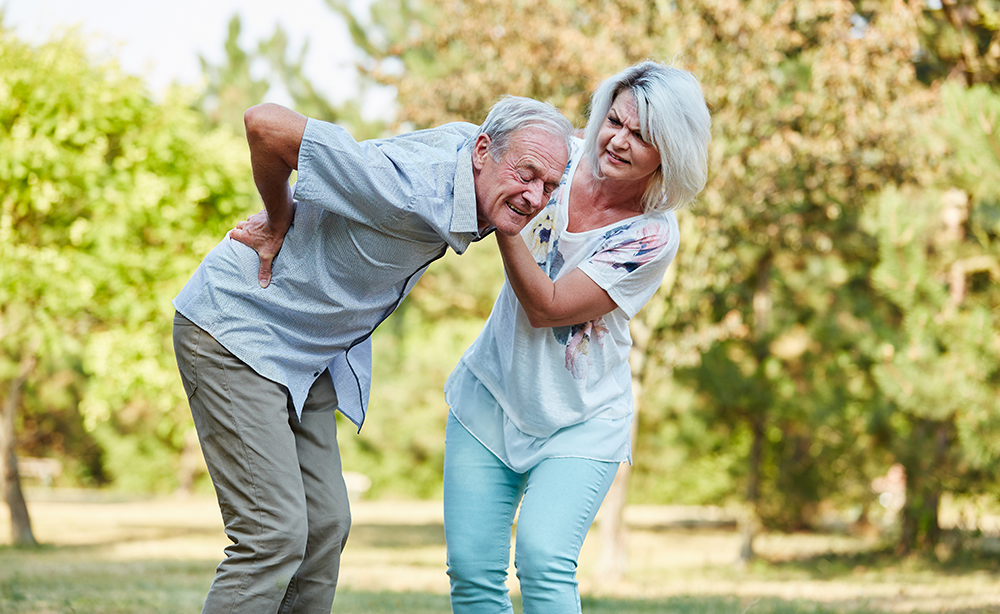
<point>162,40</point>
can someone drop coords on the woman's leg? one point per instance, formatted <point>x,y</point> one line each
<point>480,497</point>
<point>561,498</point>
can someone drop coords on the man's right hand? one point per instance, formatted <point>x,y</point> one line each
<point>258,233</point>
<point>274,135</point>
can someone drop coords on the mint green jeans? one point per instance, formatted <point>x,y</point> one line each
<point>558,497</point>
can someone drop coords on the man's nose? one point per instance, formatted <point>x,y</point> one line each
<point>534,193</point>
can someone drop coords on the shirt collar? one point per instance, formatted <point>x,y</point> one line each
<point>464,217</point>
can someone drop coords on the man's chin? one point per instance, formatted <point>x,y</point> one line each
<point>510,230</point>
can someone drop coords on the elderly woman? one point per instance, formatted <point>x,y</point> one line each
<point>541,403</point>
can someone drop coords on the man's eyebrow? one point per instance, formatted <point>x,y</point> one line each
<point>531,166</point>
<point>534,168</point>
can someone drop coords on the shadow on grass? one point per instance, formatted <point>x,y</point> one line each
<point>396,535</point>
<point>350,602</point>
<point>956,555</point>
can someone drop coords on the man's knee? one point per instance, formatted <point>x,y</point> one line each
<point>286,544</point>
<point>331,529</point>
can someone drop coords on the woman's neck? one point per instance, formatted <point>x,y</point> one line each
<point>595,203</point>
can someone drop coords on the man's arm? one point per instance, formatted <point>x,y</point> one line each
<point>274,135</point>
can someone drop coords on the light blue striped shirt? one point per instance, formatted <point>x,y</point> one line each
<point>369,218</point>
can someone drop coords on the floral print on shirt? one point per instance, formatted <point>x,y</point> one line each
<point>577,339</point>
<point>627,247</point>
<point>640,246</point>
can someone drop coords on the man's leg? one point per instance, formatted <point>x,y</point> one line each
<point>480,497</point>
<point>328,509</point>
<point>243,425</point>
<point>561,498</point>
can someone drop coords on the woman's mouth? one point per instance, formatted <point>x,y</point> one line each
<point>617,158</point>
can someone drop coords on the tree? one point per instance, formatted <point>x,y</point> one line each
<point>232,86</point>
<point>818,109</point>
<point>960,39</point>
<point>110,200</point>
<point>939,266</point>
<point>813,111</point>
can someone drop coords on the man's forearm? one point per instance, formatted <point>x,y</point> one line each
<point>274,135</point>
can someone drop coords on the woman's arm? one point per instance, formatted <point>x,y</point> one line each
<point>572,299</point>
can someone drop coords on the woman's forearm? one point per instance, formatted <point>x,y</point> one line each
<point>572,299</point>
<point>533,288</point>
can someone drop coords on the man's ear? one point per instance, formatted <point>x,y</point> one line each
<point>480,150</point>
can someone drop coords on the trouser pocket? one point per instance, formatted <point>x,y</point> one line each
<point>187,336</point>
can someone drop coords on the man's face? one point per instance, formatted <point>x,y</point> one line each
<point>511,190</point>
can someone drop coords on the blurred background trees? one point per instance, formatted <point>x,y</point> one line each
<point>833,310</point>
<point>108,200</point>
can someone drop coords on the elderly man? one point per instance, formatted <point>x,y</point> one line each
<point>272,331</point>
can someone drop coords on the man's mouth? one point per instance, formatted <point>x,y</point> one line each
<point>515,209</point>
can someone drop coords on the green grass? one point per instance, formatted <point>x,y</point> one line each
<point>159,557</point>
<point>52,580</point>
<point>57,580</point>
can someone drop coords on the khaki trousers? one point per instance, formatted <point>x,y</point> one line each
<point>279,481</point>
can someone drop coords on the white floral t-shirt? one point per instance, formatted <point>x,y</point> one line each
<point>564,391</point>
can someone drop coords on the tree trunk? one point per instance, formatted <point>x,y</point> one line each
<point>920,527</point>
<point>762,315</point>
<point>750,523</point>
<point>613,563</point>
<point>20,521</point>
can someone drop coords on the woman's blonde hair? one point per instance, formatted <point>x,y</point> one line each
<point>673,117</point>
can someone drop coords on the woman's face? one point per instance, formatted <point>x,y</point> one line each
<point>623,153</point>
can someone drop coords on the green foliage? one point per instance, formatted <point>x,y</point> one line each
<point>232,87</point>
<point>109,201</point>
<point>939,266</point>
<point>401,447</point>
<point>764,373</point>
<point>832,309</point>
<point>961,38</point>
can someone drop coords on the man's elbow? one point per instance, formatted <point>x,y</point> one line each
<point>275,130</point>
<point>258,119</point>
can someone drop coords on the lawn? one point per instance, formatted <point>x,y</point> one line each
<point>110,555</point>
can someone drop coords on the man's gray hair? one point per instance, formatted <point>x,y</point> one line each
<point>673,117</point>
<point>512,113</point>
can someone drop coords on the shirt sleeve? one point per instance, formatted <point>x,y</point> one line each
<point>632,260</point>
<point>341,175</point>
<point>377,181</point>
